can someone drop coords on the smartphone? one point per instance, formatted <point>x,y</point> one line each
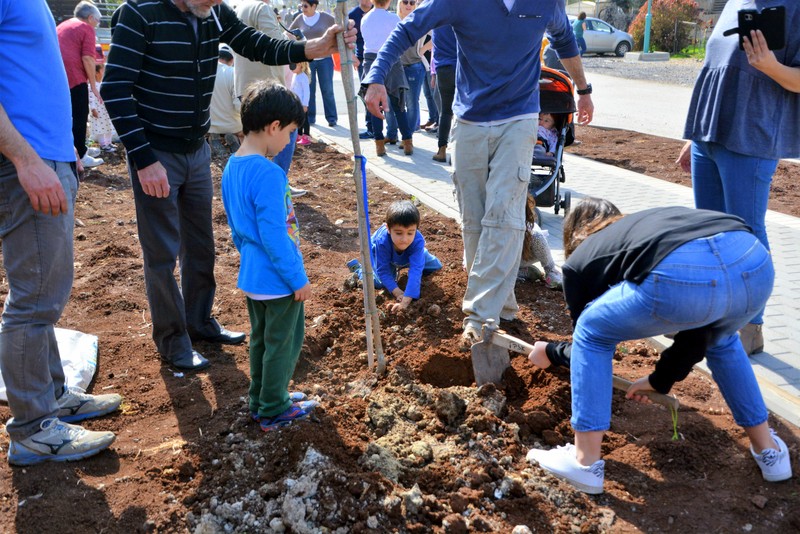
<point>771,21</point>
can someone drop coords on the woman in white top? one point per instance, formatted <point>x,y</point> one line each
<point>313,24</point>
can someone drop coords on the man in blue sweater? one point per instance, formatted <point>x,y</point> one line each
<point>496,108</point>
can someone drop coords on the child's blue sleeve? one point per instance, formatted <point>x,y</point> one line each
<point>416,263</point>
<point>384,249</point>
<point>277,228</point>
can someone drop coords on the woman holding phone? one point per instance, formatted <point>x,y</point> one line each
<point>744,117</point>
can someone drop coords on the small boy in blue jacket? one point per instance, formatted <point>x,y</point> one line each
<point>399,244</point>
<point>258,203</point>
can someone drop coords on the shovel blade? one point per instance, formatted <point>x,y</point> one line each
<point>489,362</point>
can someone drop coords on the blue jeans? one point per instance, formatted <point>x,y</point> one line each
<point>581,44</point>
<point>432,264</point>
<point>733,183</point>
<point>433,110</point>
<point>322,72</point>
<point>284,158</point>
<point>416,78</point>
<point>719,281</point>
<point>37,256</point>
<point>178,226</point>
<point>399,116</point>
<point>391,121</point>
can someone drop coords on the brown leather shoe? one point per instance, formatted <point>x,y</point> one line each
<point>752,338</point>
<point>380,147</point>
<point>441,156</point>
<point>408,147</point>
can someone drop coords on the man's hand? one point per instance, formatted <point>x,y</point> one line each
<point>538,355</point>
<point>377,100</point>
<point>303,294</point>
<point>43,187</point>
<point>326,45</point>
<point>585,109</point>
<point>685,157</point>
<point>643,384</point>
<point>153,179</point>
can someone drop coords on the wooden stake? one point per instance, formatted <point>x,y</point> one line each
<point>374,345</point>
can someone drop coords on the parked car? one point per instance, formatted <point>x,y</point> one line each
<point>103,38</point>
<point>603,38</point>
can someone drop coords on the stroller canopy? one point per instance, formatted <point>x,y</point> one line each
<point>555,92</point>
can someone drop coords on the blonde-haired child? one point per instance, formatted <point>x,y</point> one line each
<point>302,88</point>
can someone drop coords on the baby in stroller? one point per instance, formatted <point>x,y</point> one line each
<point>556,131</point>
<point>547,135</point>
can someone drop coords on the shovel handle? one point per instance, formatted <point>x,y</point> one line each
<point>668,401</point>
<point>517,345</point>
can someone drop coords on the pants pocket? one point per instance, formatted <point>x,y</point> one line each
<point>682,302</point>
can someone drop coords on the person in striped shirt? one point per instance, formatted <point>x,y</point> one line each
<point>159,80</point>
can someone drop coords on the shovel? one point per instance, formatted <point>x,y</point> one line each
<point>490,359</point>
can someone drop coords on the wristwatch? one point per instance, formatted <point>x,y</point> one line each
<point>586,91</point>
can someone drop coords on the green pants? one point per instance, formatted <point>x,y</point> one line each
<point>276,337</point>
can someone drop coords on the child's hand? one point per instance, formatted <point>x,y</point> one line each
<point>303,294</point>
<point>538,355</point>
<point>400,306</point>
<point>643,384</point>
<point>95,114</point>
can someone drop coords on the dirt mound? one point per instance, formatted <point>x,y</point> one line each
<point>419,450</point>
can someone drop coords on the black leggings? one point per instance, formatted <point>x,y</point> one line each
<point>445,93</point>
<point>79,96</point>
<point>305,128</point>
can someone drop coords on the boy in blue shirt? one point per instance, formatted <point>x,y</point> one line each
<point>258,203</point>
<point>398,244</point>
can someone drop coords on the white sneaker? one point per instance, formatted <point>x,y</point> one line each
<point>775,464</point>
<point>563,463</point>
<point>89,161</point>
<point>92,151</point>
<point>75,405</point>
<point>58,442</point>
<point>297,192</point>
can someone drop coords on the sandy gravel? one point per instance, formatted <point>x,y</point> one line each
<point>675,71</point>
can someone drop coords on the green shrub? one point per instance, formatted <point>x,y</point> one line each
<point>664,13</point>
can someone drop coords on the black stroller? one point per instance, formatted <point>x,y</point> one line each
<point>547,172</point>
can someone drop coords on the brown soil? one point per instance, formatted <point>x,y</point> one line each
<point>419,450</point>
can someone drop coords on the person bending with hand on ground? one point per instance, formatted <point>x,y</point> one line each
<point>744,116</point>
<point>536,249</point>
<point>38,185</point>
<point>258,202</point>
<point>496,109</point>
<point>700,272</point>
<point>396,245</point>
<point>158,86</point>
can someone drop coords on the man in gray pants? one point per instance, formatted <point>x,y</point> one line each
<point>38,185</point>
<point>157,89</point>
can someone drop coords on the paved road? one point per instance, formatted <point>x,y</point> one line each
<point>778,369</point>
<point>640,106</point>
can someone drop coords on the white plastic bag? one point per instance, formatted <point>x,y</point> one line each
<point>78,357</point>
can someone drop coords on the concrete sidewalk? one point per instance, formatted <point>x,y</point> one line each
<point>777,369</point>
